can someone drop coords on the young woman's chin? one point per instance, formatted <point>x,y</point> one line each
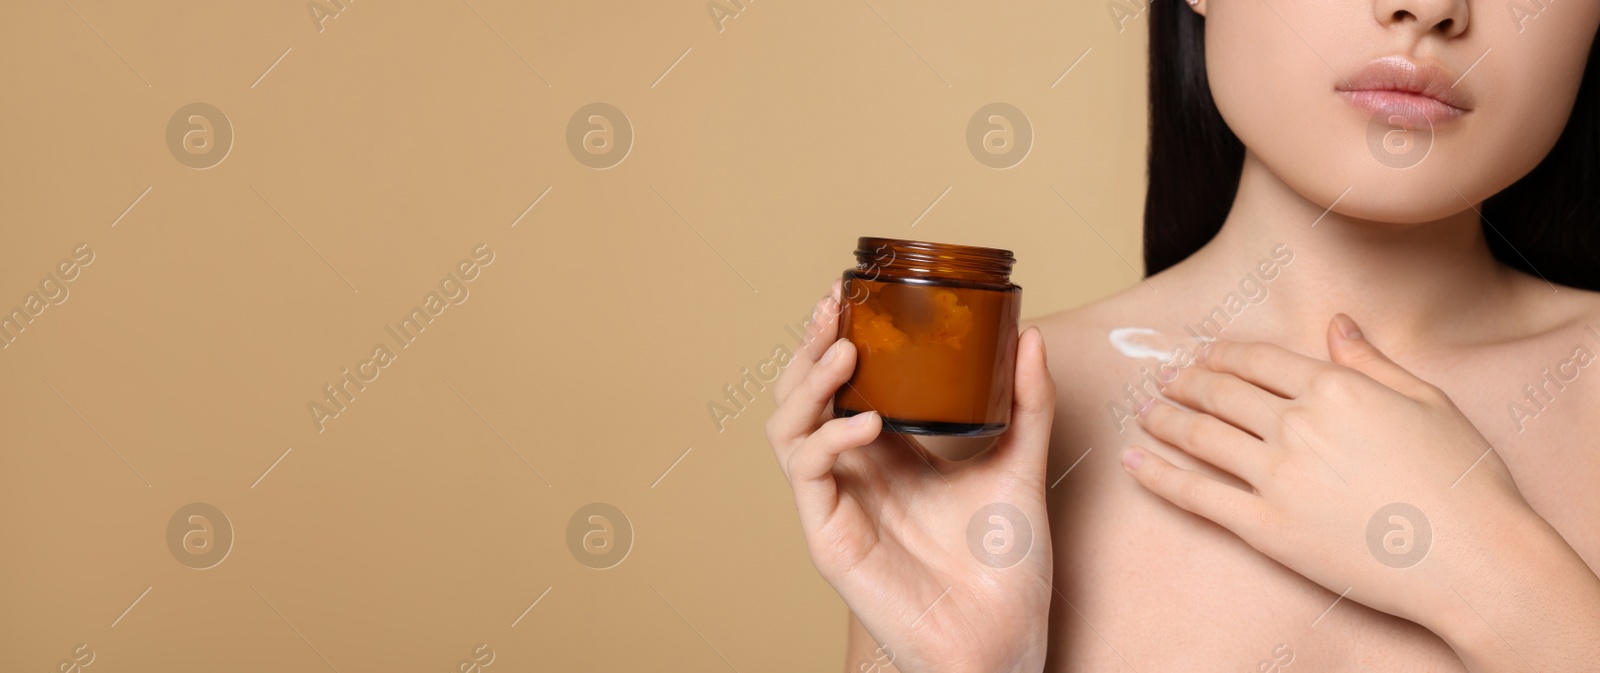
<point>1393,174</point>
<point>1414,196</point>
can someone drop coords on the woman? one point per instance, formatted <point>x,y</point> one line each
<point>1302,492</point>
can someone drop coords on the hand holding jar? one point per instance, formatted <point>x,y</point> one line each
<point>946,563</point>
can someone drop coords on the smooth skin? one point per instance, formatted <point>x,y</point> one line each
<point>1323,445</point>
<point>1225,527</point>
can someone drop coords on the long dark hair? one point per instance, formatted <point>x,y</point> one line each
<point>1546,224</point>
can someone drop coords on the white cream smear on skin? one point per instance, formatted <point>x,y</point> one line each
<point>1134,342</point>
<point>1142,343</point>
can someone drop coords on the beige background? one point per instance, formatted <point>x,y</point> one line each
<point>393,142</point>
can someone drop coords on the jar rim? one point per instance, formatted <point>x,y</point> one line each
<point>902,256</point>
<point>873,243</point>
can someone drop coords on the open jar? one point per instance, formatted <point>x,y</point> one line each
<point>935,331</point>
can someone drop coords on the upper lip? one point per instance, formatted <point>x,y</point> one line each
<point>1395,73</point>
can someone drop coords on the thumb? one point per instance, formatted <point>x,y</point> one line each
<point>1348,347</point>
<point>1025,446</point>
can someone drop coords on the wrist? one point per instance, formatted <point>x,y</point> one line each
<point>1508,582</point>
<point>1479,544</point>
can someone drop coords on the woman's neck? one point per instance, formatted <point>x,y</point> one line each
<point>1409,286</point>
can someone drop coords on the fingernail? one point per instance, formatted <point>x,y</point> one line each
<point>1131,458</point>
<point>832,351</point>
<point>859,420</point>
<point>1205,350</point>
<point>1145,406</point>
<point>1167,373</point>
<point>1347,327</point>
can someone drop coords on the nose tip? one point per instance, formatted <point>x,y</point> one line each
<point>1445,17</point>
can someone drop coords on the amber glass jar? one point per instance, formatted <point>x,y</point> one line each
<point>935,331</point>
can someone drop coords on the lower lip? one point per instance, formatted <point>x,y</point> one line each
<point>1408,110</point>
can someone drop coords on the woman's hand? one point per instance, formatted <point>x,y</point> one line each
<point>1370,482</point>
<point>947,564</point>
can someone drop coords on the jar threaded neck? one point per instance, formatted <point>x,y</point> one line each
<point>900,257</point>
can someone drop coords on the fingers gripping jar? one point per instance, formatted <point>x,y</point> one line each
<point>935,331</point>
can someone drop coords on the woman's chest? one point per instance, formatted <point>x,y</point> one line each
<point>1537,406</point>
<point>1146,585</point>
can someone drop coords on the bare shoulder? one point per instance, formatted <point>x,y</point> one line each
<point>1090,373</point>
<point>1555,333</point>
<point>1575,338</point>
<point>1554,307</point>
<point>1084,330</point>
<point>1584,309</point>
